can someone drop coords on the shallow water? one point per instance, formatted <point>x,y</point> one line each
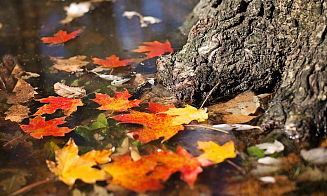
<point>105,32</point>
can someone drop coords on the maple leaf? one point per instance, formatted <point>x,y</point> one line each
<point>133,174</point>
<point>154,48</point>
<point>68,105</point>
<point>69,91</point>
<point>156,108</point>
<point>17,113</point>
<point>111,62</point>
<point>118,103</point>
<point>38,127</point>
<point>70,166</point>
<point>73,64</point>
<point>154,125</point>
<point>60,37</point>
<point>147,173</point>
<point>215,152</point>
<point>186,115</point>
<point>23,92</point>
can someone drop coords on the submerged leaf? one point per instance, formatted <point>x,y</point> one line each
<point>73,64</point>
<point>69,91</point>
<point>17,113</point>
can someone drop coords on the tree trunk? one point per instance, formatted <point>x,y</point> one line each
<point>264,46</point>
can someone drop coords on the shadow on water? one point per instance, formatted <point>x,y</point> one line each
<point>105,32</point>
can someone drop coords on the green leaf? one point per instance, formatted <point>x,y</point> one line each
<point>256,152</point>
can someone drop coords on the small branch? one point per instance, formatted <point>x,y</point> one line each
<point>14,139</point>
<point>209,94</point>
<point>30,186</point>
<point>207,127</point>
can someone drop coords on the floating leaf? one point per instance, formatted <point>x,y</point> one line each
<point>111,62</point>
<point>68,91</point>
<point>61,37</point>
<point>186,115</point>
<point>68,105</point>
<point>118,103</point>
<point>148,172</point>
<point>69,166</point>
<point>154,125</point>
<point>73,64</point>
<point>154,48</point>
<point>215,152</point>
<point>38,127</point>
<point>23,92</point>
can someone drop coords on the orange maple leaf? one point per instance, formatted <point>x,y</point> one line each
<point>60,37</point>
<point>70,166</point>
<point>156,108</point>
<point>148,172</point>
<point>111,62</point>
<point>68,105</point>
<point>154,48</point>
<point>38,127</point>
<point>154,125</point>
<point>118,103</point>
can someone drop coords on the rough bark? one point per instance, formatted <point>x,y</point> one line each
<point>264,46</point>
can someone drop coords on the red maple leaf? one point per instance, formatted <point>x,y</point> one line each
<point>118,103</point>
<point>156,108</point>
<point>38,127</point>
<point>148,172</point>
<point>154,125</point>
<point>68,105</point>
<point>111,62</point>
<point>60,37</point>
<point>154,48</point>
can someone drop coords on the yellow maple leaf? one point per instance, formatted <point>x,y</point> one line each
<point>70,166</point>
<point>186,115</point>
<point>215,153</point>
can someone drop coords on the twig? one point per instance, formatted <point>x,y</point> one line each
<point>234,165</point>
<point>207,127</point>
<point>209,94</point>
<point>14,139</point>
<point>30,186</point>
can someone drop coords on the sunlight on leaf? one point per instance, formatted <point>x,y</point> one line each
<point>70,166</point>
<point>186,115</point>
<point>215,152</point>
<point>61,37</point>
<point>154,48</point>
<point>111,62</point>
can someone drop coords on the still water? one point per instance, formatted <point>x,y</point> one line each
<point>106,32</point>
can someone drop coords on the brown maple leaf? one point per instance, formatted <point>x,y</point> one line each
<point>73,64</point>
<point>17,113</point>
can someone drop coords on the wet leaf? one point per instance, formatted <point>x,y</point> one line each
<point>271,148</point>
<point>154,48</point>
<point>186,115</point>
<point>73,64</point>
<point>315,155</point>
<point>148,172</point>
<point>111,62</point>
<point>144,20</point>
<point>23,92</point>
<point>17,113</point>
<point>154,125</point>
<point>118,103</point>
<point>86,131</point>
<point>215,152</point>
<point>156,108</point>
<point>239,109</point>
<point>69,91</point>
<point>68,105</point>
<point>70,166</point>
<point>61,37</point>
<point>255,151</point>
<point>75,10</point>
<point>38,127</point>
